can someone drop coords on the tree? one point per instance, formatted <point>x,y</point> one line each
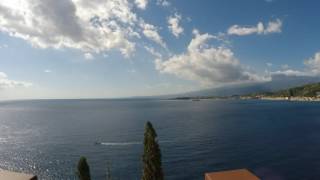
<point>152,166</point>
<point>83,169</point>
<point>291,93</point>
<point>109,177</point>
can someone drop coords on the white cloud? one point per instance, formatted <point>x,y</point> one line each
<point>291,72</point>
<point>242,31</point>
<point>312,68</point>
<point>47,71</point>
<point>260,28</point>
<point>164,3</point>
<point>7,83</point>
<point>151,32</point>
<point>142,4</point>
<point>152,51</point>
<point>268,1</point>
<point>314,63</point>
<point>174,25</point>
<point>88,56</point>
<point>95,26</point>
<point>269,64</point>
<point>274,27</point>
<point>3,46</point>
<point>132,71</point>
<point>285,66</point>
<point>206,64</point>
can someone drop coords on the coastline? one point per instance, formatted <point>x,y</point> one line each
<point>300,98</point>
<point>267,98</point>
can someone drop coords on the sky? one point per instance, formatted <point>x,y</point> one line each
<point>125,48</point>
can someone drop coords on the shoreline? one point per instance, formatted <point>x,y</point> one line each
<point>267,98</point>
<point>297,99</point>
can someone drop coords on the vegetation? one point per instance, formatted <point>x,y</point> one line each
<point>109,177</point>
<point>152,166</point>
<point>83,169</point>
<point>309,90</point>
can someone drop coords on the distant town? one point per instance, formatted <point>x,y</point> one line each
<point>309,92</point>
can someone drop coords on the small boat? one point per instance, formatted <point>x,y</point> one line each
<point>97,143</point>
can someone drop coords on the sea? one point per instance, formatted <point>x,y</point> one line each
<point>276,140</point>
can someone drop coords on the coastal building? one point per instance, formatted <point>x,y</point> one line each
<point>9,175</point>
<point>318,94</point>
<point>239,174</point>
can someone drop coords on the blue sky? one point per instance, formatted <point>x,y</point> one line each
<point>121,48</point>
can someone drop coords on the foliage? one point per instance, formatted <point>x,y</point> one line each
<point>109,176</point>
<point>309,90</point>
<point>83,169</point>
<point>152,165</point>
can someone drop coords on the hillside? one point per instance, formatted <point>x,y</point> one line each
<point>278,83</point>
<point>309,90</point>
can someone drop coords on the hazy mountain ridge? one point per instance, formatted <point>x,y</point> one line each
<point>309,90</point>
<point>278,83</point>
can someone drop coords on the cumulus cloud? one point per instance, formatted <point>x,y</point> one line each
<point>207,64</point>
<point>285,66</point>
<point>269,1</point>
<point>7,83</point>
<point>274,27</point>
<point>132,71</point>
<point>93,26</point>
<point>142,4</point>
<point>3,46</point>
<point>242,31</point>
<point>269,64</point>
<point>174,25</point>
<point>164,3</point>
<point>47,71</point>
<point>312,68</point>
<point>152,51</point>
<point>151,32</point>
<point>313,63</point>
<point>291,72</point>
<point>260,28</point>
<point>88,56</point>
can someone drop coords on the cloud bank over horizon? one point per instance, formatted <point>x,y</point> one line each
<point>312,68</point>
<point>6,83</point>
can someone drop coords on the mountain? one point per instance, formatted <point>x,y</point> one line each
<point>279,82</point>
<point>309,90</point>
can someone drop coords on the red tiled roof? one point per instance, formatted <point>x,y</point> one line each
<point>239,174</point>
<point>8,175</point>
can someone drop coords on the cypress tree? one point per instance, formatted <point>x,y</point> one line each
<point>290,92</point>
<point>109,177</point>
<point>83,169</point>
<point>151,158</point>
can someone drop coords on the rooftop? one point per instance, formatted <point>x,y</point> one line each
<point>9,175</point>
<point>239,174</point>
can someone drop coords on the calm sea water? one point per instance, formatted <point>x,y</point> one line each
<point>276,140</point>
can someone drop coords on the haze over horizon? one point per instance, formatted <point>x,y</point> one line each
<point>123,48</point>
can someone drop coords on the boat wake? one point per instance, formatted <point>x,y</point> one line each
<point>119,144</point>
<point>123,143</point>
